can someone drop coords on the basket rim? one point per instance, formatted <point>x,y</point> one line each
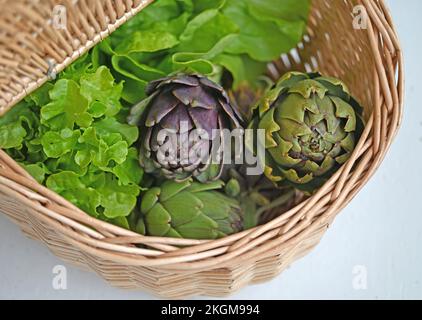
<point>77,53</point>
<point>113,243</point>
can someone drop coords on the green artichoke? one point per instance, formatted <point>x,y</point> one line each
<point>311,127</point>
<point>181,104</point>
<point>189,210</point>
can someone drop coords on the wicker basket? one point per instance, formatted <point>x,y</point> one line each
<point>367,59</point>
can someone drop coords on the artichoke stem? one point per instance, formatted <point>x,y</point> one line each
<point>276,203</point>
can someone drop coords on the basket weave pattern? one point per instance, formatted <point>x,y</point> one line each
<point>369,61</point>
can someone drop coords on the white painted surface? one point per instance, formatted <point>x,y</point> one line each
<point>377,237</point>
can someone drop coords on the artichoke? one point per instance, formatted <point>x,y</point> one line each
<point>311,127</point>
<point>189,210</point>
<point>181,104</point>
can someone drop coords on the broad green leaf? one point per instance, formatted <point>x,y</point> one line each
<point>279,11</point>
<point>261,40</point>
<point>134,90</point>
<point>203,5</point>
<point>136,76</point>
<point>130,68</point>
<point>243,69</point>
<point>205,31</point>
<point>147,41</point>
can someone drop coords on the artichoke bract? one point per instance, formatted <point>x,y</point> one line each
<point>311,127</point>
<point>189,210</point>
<point>184,104</point>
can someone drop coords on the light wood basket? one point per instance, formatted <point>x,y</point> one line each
<point>369,60</point>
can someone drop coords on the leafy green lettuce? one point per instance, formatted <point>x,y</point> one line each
<point>210,37</point>
<point>69,136</point>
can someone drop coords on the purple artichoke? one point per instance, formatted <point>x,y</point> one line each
<point>176,110</point>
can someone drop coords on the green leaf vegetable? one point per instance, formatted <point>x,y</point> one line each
<point>212,38</point>
<point>68,136</point>
<point>311,124</point>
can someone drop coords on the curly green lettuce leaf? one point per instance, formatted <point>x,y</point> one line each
<point>105,197</point>
<point>116,199</point>
<point>57,144</point>
<point>129,172</point>
<point>12,135</point>
<point>17,125</point>
<point>70,135</point>
<point>100,151</point>
<point>78,68</point>
<point>111,125</point>
<point>68,185</point>
<point>67,108</point>
<point>102,93</point>
<point>37,170</point>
